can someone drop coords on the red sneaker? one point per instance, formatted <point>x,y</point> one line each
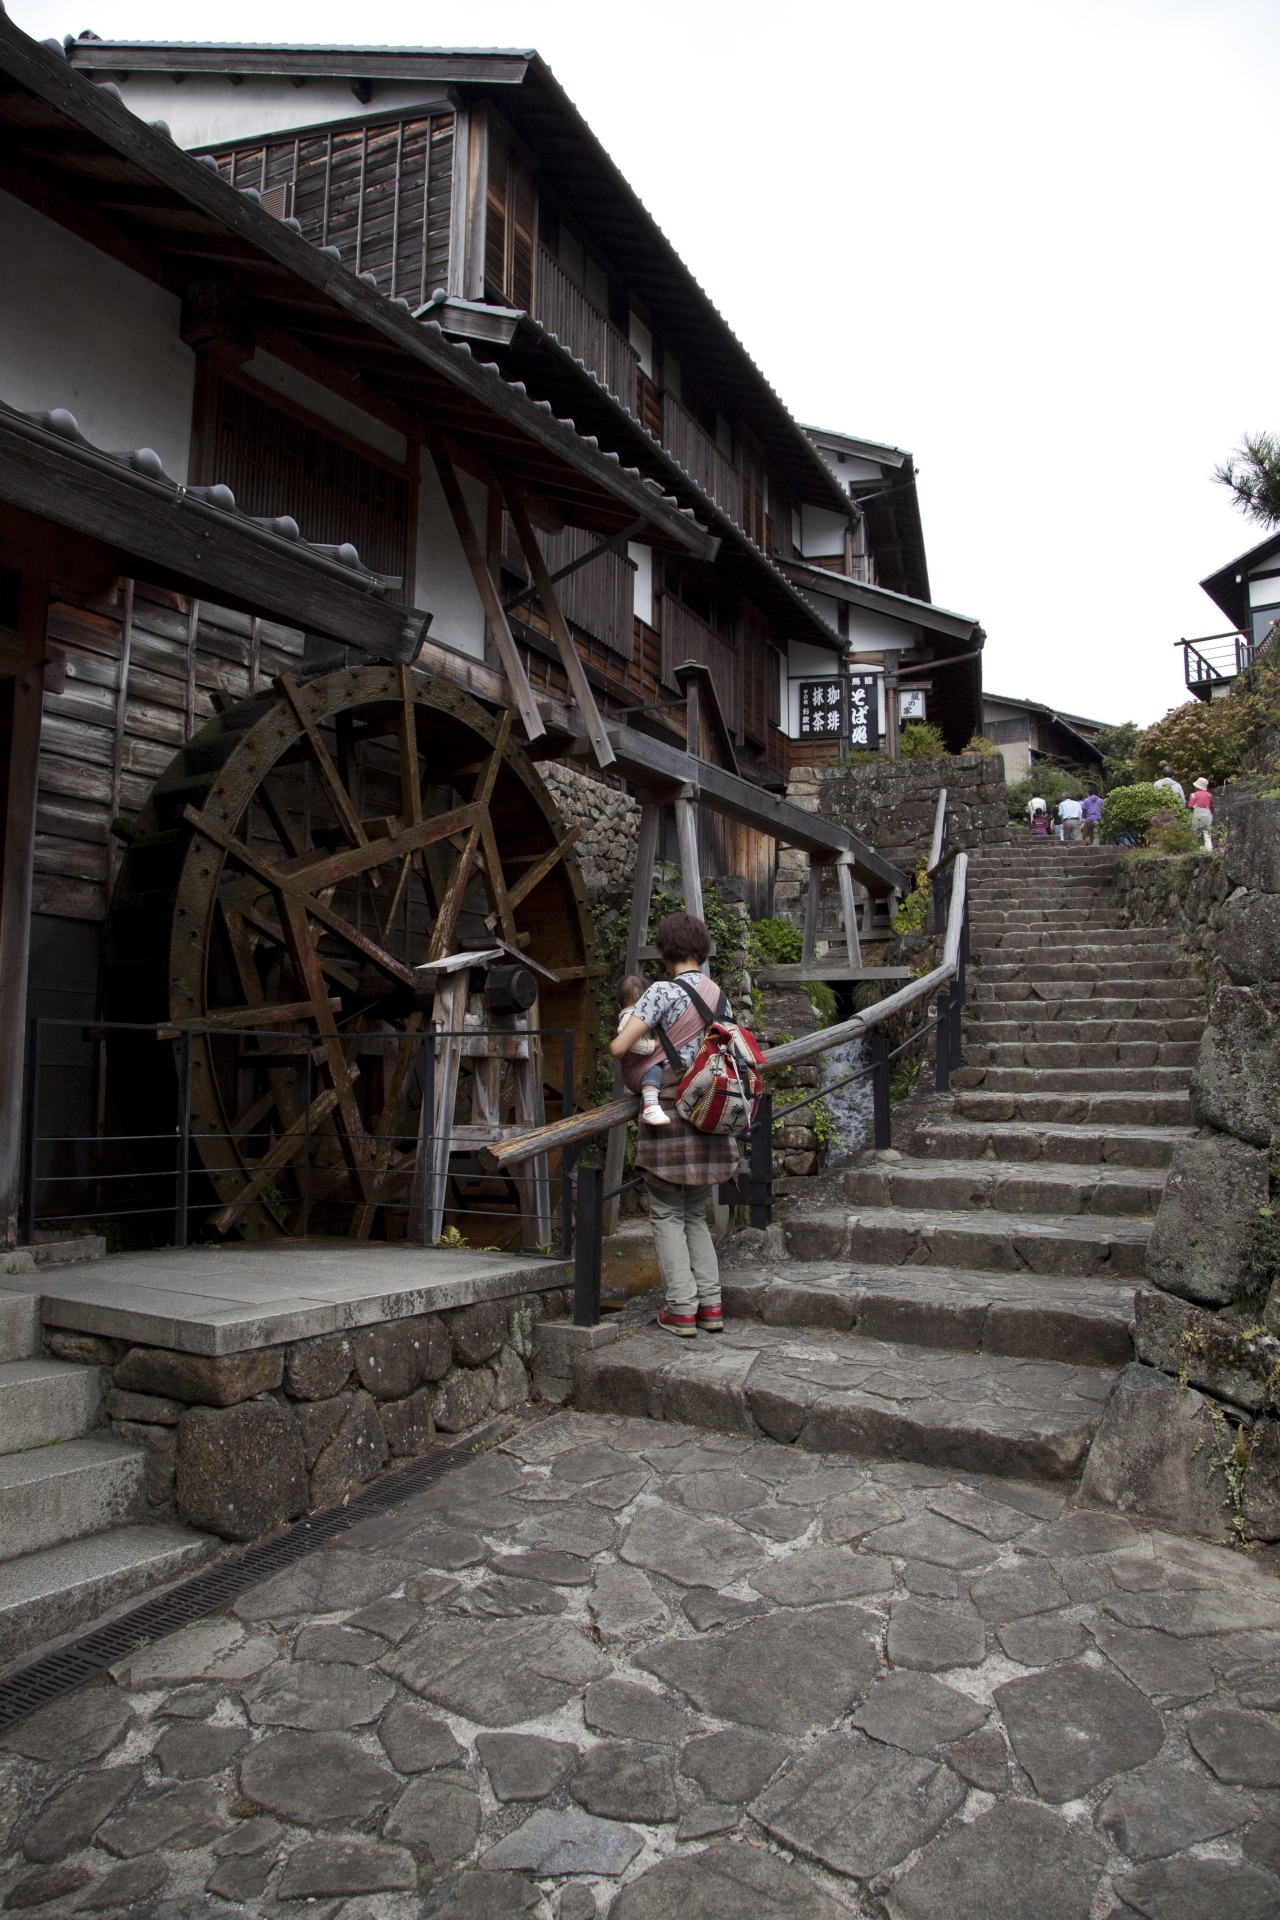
<point>683,1324</point>
<point>711,1319</point>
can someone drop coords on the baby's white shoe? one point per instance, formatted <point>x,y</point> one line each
<point>654,1117</point>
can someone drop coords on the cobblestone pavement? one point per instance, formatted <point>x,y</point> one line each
<point>624,1669</point>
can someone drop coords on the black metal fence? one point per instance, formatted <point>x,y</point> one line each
<point>113,1141</point>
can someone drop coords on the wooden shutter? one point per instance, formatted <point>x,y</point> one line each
<point>381,193</point>
<point>524,236</point>
<point>497,198</point>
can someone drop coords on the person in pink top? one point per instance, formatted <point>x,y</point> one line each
<point>1201,805</point>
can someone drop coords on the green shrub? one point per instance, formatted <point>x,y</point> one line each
<point>1051,783</point>
<point>1128,811</point>
<point>979,743</point>
<point>1172,831</point>
<point>921,740</point>
<point>862,756</point>
<point>775,943</point>
<point>912,916</point>
<point>823,1001</point>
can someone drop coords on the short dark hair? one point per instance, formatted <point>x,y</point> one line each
<point>682,937</point>
<point>630,988</point>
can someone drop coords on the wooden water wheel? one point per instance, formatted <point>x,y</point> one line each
<point>295,877</point>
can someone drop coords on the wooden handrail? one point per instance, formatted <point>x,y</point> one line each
<point>616,1113</point>
<point>939,829</point>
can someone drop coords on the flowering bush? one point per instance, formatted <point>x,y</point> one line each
<point>1127,812</point>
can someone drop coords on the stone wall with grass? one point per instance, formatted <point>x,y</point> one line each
<point>240,1443</point>
<point>1191,1435</point>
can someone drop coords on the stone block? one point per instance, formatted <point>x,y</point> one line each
<point>408,1424</point>
<point>463,1399</point>
<point>87,1349</point>
<point>1207,1213</point>
<point>389,1359</point>
<point>357,1450</point>
<point>1249,941</point>
<point>1154,1455</point>
<point>477,1332</point>
<point>318,1421</point>
<point>1236,1084</point>
<point>148,1408</point>
<point>317,1369</point>
<point>1182,1339</point>
<point>240,1469</point>
<point>510,1380</point>
<point>559,1344</point>
<point>1252,851</point>
<point>201,1379</point>
<point>161,1447</point>
<point>1262,1483</point>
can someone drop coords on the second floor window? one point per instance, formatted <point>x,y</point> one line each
<point>510,224</point>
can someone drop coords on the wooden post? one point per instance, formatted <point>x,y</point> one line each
<point>21,706</point>
<point>575,673</point>
<point>687,831</point>
<point>811,904</point>
<point>486,587</point>
<point>891,715</point>
<point>849,907</point>
<point>641,894</point>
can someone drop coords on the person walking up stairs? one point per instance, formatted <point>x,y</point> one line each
<point>966,1299</point>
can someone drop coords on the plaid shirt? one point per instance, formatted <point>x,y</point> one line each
<point>679,1154</point>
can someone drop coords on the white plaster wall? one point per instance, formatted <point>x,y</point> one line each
<point>1264,592</point>
<point>206,109</point>
<point>444,586</point>
<point>822,531</point>
<point>82,331</point>
<point>304,392</point>
<point>850,466</point>
<point>641,559</point>
<point>642,341</point>
<point>878,632</point>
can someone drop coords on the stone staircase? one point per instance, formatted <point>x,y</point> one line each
<point>966,1299</point>
<point>74,1538</point>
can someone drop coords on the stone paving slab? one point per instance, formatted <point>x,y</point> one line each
<point>775,1683</point>
<point>221,1300</point>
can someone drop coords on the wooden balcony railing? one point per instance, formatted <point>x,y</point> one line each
<point>563,309</point>
<point>700,457</point>
<point>685,637</point>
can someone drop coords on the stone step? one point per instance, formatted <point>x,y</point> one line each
<point>987,1185</point>
<point>1081,1053</point>
<point>1108,943</point>
<point>986,913</point>
<point>990,1241</point>
<point>1079,1322</point>
<point>1088,1031</point>
<point>46,1400</point>
<point>1086,963</point>
<point>1106,998</point>
<point>1077,1109</point>
<point>52,1494</point>
<point>19,1325</point>
<point>1055,1145</point>
<point>838,1392</point>
<point>1048,928</point>
<point>46,1595</point>
<point>1086,1079</point>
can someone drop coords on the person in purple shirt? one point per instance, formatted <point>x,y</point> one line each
<point>1091,813</point>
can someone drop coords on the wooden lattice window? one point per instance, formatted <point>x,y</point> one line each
<point>510,223</point>
<point>382,193</point>
<point>278,460</point>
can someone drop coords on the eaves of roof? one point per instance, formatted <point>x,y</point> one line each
<point>897,606</point>
<point>883,455</point>
<point>1069,722</point>
<point>623,232</point>
<point>68,131</point>
<point>1228,588</point>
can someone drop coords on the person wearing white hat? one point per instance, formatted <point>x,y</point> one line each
<point>1201,805</point>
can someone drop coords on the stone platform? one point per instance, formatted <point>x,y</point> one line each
<point>224,1300</point>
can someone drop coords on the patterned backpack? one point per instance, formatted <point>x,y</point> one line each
<point>719,1091</point>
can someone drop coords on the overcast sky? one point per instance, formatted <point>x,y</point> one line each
<point>1034,241</point>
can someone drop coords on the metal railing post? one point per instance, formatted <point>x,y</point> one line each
<point>587,1247</point>
<point>428,1169</point>
<point>878,1049</point>
<point>955,1003</point>
<point>942,1042</point>
<point>33,1137</point>
<point>184,1150</point>
<point>568,1154</point>
<point>761,1163</point>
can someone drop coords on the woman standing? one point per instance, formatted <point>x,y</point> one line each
<point>1201,805</point>
<point>680,1165</point>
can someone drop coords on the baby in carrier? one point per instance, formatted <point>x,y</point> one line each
<point>643,1064</point>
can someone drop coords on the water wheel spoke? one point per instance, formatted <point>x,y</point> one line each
<point>537,873</point>
<point>330,779</point>
<point>351,1127</point>
<point>288,1146</point>
<point>410,779</point>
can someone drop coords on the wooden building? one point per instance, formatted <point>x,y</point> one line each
<point>467,186</point>
<point>1029,735</point>
<point>228,457</point>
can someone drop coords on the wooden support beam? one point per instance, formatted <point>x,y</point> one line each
<point>699,688</point>
<point>813,900</point>
<point>687,833</point>
<point>849,908</point>
<point>579,685</point>
<point>21,704</point>
<point>486,587</point>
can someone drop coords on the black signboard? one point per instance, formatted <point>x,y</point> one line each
<point>863,728</point>
<point>822,710</point>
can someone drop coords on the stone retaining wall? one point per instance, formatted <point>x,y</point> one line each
<point>241,1443</point>
<point>610,824</point>
<point>1190,1436</point>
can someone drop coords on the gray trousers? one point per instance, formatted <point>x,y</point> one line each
<point>686,1252</point>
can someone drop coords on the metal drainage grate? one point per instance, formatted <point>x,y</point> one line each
<point>204,1593</point>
